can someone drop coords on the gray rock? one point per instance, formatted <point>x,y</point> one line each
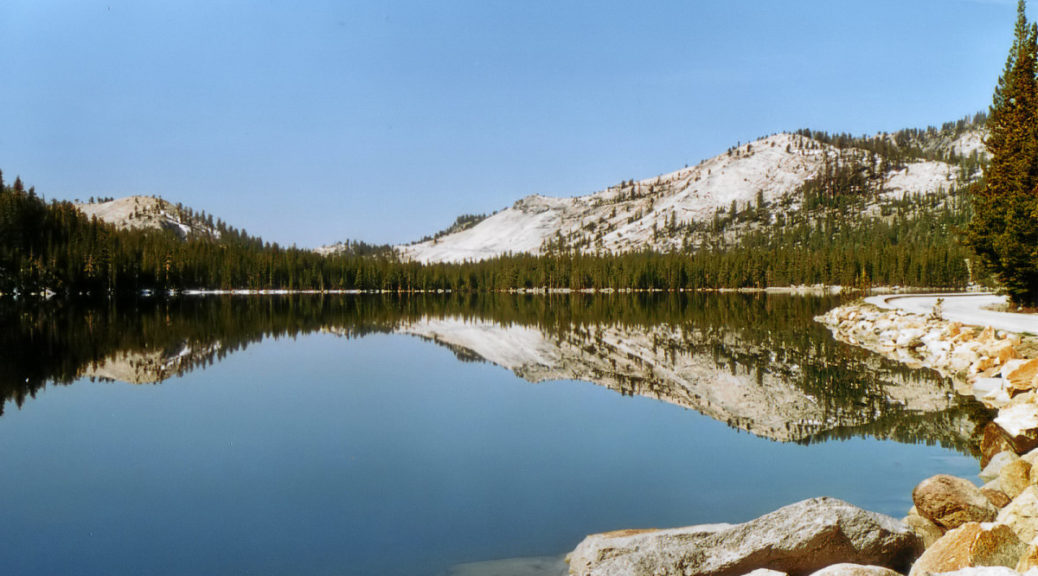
<point>855,570</point>
<point>797,539</point>
<point>927,531</point>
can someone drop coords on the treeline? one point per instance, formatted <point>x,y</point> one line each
<point>54,247</point>
<point>908,145</point>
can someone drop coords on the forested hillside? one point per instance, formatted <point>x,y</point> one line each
<point>859,219</point>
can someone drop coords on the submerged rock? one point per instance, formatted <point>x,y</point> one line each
<point>797,539</point>
<point>951,502</point>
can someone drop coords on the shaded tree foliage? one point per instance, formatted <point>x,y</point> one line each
<point>1004,228</point>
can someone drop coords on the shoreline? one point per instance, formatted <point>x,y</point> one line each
<point>954,526</point>
<point>997,367</point>
<point>796,290</point>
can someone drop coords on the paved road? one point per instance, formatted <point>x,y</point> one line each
<point>965,308</point>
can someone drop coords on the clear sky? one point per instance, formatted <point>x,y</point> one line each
<point>308,122</point>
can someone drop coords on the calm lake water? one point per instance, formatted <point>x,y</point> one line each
<point>371,435</point>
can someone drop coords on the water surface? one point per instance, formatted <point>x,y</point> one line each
<point>376,435</point>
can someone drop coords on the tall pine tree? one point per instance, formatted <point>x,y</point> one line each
<point>1004,229</point>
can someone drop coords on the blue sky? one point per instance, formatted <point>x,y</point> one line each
<point>309,122</point>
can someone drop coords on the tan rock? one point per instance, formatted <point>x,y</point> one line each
<point>987,335</point>
<point>972,544</point>
<point>1022,514</point>
<point>981,364</point>
<point>995,465</point>
<point>953,329</point>
<point>949,502</point>
<point>963,337</point>
<point>1002,351</point>
<point>993,441</point>
<point>925,529</point>
<point>998,498</point>
<point>1011,365</point>
<point>1029,559</point>
<point>1014,477</point>
<point>1031,457</point>
<point>1022,377</point>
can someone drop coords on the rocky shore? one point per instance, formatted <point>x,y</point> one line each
<point>953,527</point>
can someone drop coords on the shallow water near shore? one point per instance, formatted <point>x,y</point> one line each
<point>372,435</point>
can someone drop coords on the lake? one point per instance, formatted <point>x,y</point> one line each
<point>420,434</point>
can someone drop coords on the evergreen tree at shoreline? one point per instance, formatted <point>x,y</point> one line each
<point>1004,229</point>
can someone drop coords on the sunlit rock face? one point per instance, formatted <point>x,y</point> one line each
<point>628,216</point>
<point>798,539</point>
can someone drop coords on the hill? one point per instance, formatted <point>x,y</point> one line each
<point>776,179</point>
<point>148,212</point>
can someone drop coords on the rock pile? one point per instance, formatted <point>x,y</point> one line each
<point>997,368</point>
<point>963,526</point>
<point>954,527</point>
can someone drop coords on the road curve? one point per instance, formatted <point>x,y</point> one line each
<point>966,308</point>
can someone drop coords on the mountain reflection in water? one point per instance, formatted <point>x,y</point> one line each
<point>757,362</point>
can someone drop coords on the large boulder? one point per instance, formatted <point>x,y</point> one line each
<point>1022,514</point>
<point>994,466</point>
<point>972,544</point>
<point>1014,477</point>
<point>927,531</point>
<point>855,570</point>
<point>994,441</point>
<point>1019,421</point>
<point>797,539</point>
<point>1021,377</point>
<point>950,502</point>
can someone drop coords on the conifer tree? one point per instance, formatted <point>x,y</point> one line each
<point>1004,229</point>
